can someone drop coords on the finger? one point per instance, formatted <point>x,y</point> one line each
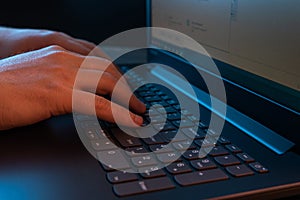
<point>102,64</point>
<point>74,46</point>
<point>96,50</point>
<point>88,103</point>
<point>104,83</point>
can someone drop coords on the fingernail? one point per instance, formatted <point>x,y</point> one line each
<point>138,119</point>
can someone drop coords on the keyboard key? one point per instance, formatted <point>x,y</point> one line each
<point>177,107</point>
<point>164,126</point>
<point>200,177</point>
<point>192,133</point>
<point>217,151</point>
<point>191,154</point>
<point>168,109</point>
<point>154,140</point>
<point>169,136</point>
<point>135,151</point>
<point>223,141</point>
<point>152,173</point>
<point>233,148</point>
<point>186,112</point>
<point>183,145</point>
<point>193,118</point>
<point>183,123</point>
<point>161,147</point>
<point>203,125</point>
<point>113,159</point>
<point>172,102</point>
<point>168,157</point>
<point>120,177</point>
<point>124,139</point>
<point>152,98</point>
<point>138,187</point>
<point>258,167</point>
<point>162,103</point>
<point>146,93</point>
<point>239,170</point>
<point>245,157</point>
<point>165,97</point>
<point>174,116</point>
<point>207,142</point>
<point>92,135</point>
<point>178,168</point>
<point>227,160</point>
<point>103,144</point>
<point>203,164</point>
<point>158,119</point>
<point>144,161</point>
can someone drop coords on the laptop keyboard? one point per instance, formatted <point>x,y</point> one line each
<point>223,162</point>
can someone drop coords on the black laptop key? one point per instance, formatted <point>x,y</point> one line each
<point>162,147</point>
<point>184,145</point>
<point>152,98</point>
<point>156,139</point>
<point>191,154</point>
<point>152,173</point>
<point>164,126</point>
<point>142,161</point>
<point>168,157</point>
<point>183,123</point>
<point>172,102</point>
<point>217,151</point>
<point>158,119</point>
<point>245,157</point>
<point>178,168</point>
<point>193,134</point>
<point>165,97</point>
<point>135,151</point>
<point>146,93</point>
<point>258,167</point>
<point>102,144</point>
<point>113,159</point>
<point>200,177</point>
<point>124,139</point>
<point>139,187</point>
<point>170,136</point>
<point>203,164</point>
<point>233,148</point>
<point>167,109</point>
<point>227,160</point>
<point>207,142</point>
<point>174,116</point>
<point>120,177</point>
<point>223,141</point>
<point>239,170</point>
<point>162,103</point>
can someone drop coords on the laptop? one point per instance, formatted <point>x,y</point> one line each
<point>256,154</point>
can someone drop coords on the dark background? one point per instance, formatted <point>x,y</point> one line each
<point>94,20</point>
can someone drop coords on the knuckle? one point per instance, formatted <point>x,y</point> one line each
<point>57,54</point>
<point>56,47</point>
<point>54,35</point>
<point>101,104</point>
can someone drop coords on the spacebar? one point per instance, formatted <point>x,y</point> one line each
<point>200,177</point>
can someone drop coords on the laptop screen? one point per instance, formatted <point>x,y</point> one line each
<point>256,40</point>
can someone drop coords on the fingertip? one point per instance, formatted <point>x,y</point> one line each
<point>138,120</point>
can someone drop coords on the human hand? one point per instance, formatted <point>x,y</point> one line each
<point>38,84</point>
<point>14,41</point>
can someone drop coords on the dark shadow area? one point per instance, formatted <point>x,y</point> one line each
<point>94,20</point>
